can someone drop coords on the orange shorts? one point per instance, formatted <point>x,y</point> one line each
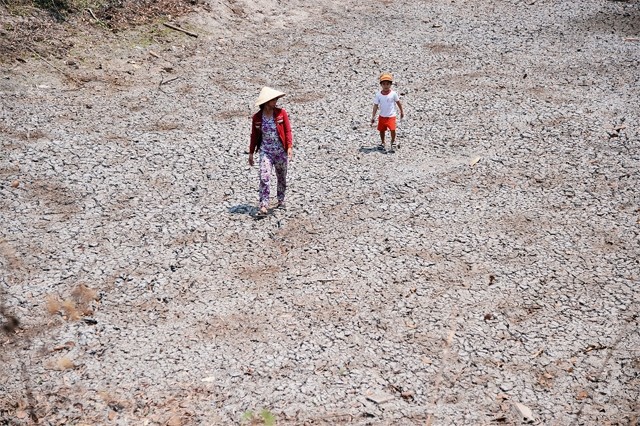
<point>386,123</point>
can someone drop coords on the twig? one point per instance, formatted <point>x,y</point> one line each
<point>173,27</point>
<point>92,15</point>
<point>168,81</point>
<point>165,82</point>
<point>53,66</point>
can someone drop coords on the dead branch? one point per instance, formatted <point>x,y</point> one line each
<point>168,81</point>
<point>173,27</point>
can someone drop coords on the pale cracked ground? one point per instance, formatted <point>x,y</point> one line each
<point>483,274</point>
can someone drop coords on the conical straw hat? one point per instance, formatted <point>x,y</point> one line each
<point>266,94</point>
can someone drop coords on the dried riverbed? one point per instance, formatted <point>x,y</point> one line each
<point>485,273</point>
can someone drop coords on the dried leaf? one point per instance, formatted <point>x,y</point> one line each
<point>66,345</point>
<point>525,411</point>
<point>175,421</point>
<point>474,161</point>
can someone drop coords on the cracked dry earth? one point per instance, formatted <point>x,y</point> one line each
<point>485,273</point>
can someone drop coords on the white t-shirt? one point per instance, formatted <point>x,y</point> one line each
<point>387,103</point>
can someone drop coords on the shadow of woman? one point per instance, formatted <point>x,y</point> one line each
<point>247,209</point>
<point>242,209</point>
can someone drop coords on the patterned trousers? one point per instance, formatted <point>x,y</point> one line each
<point>269,161</point>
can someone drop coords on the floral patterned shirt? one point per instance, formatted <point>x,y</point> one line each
<point>270,140</point>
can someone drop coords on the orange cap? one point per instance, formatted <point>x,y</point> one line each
<point>386,77</point>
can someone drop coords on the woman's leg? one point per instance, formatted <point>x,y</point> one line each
<point>265,180</point>
<point>281,164</point>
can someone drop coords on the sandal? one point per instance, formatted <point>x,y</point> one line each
<point>262,212</point>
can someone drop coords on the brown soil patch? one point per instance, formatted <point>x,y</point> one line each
<point>46,28</point>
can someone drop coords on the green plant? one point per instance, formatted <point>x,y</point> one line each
<point>264,418</point>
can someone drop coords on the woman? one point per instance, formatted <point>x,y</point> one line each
<point>271,137</point>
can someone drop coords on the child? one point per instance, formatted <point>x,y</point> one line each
<point>386,99</point>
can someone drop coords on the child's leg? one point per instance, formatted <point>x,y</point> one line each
<point>265,180</point>
<point>392,129</point>
<point>382,128</point>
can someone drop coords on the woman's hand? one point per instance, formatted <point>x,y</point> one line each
<point>290,153</point>
<point>251,159</point>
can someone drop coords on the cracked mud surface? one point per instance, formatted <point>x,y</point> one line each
<point>490,263</point>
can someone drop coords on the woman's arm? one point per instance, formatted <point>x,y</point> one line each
<point>253,141</point>
<point>255,134</point>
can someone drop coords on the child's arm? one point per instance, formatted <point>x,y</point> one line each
<point>400,108</point>
<point>373,114</point>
